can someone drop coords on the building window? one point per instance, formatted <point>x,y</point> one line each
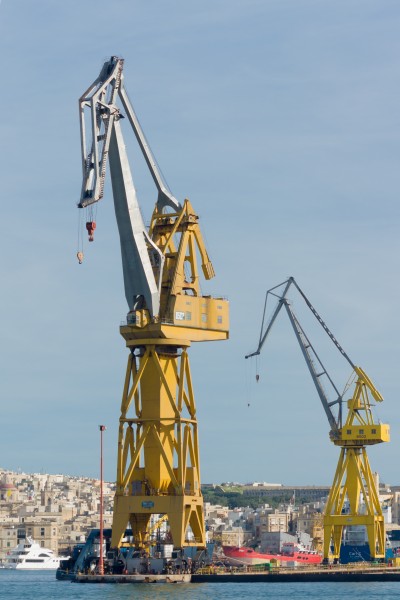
<point>361,431</point>
<point>204,317</point>
<point>219,319</point>
<point>42,531</point>
<point>188,316</point>
<point>373,431</point>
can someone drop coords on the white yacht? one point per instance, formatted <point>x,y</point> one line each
<point>30,555</point>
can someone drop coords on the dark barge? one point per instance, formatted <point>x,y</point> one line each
<point>334,574</point>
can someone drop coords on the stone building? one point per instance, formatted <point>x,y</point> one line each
<point>8,539</point>
<point>44,532</point>
<point>8,492</point>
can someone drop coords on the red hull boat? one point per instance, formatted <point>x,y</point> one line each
<point>290,552</point>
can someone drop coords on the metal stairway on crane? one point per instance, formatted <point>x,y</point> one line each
<point>353,481</point>
<point>158,469</point>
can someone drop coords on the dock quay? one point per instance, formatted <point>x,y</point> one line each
<point>340,573</point>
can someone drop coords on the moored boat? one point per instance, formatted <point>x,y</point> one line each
<point>30,555</point>
<point>291,552</point>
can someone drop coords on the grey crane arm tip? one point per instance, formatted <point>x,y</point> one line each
<point>252,354</point>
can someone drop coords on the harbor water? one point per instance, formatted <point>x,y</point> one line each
<point>42,585</point>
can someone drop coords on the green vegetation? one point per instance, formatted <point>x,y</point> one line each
<point>236,496</point>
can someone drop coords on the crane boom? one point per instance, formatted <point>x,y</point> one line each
<point>142,260</point>
<point>165,198</point>
<point>264,335</point>
<point>101,98</point>
<point>281,298</point>
<point>310,355</point>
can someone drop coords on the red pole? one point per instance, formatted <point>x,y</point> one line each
<point>101,559</point>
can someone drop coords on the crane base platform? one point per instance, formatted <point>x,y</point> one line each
<point>370,573</point>
<point>148,578</point>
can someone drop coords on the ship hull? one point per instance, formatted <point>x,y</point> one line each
<point>247,556</point>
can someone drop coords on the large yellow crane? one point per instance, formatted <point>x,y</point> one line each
<point>158,468</point>
<point>353,498</point>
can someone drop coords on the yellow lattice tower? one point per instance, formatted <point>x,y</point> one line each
<point>354,482</point>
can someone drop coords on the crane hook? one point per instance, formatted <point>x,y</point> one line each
<point>79,256</point>
<point>257,377</point>
<point>91,226</point>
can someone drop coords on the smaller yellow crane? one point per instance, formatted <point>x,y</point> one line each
<point>353,498</point>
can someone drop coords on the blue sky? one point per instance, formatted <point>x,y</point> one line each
<point>279,119</point>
